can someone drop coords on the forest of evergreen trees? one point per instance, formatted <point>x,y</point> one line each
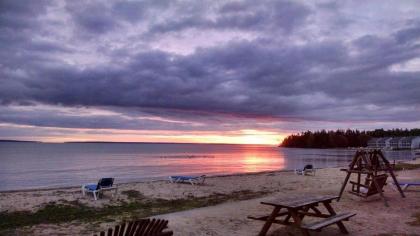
<point>342,138</point>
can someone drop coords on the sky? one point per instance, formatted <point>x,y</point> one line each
<point>206,71</point>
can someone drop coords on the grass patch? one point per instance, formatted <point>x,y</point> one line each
<point>133,194</point>
<point>140,207</point>
<point>416,222</point>
<point>406,166</point>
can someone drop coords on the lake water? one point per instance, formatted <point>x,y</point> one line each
<point>45,165</point>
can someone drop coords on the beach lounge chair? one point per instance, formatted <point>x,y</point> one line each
<point>306,170</point>
<point>191,179</point>
<point>404,185</point>
<point>102,185</point>
<point>142,227</point>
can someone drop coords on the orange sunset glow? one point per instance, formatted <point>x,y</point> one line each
<point>260,137</point>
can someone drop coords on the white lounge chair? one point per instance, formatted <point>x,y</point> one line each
<point>404,185</point>
<point>191,179</point>
<point>102,185</point>
<point>306,170</point>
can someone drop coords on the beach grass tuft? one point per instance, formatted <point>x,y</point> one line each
<point>133,194</point>
<point>416,221</point>
<point>137,207</point>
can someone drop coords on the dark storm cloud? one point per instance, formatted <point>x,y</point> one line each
<point>20,14</point>
<point>99,17</point>
<point>58,118</point>
<point>281,71</point>
<point>93,18</point>
<point>409,34</point>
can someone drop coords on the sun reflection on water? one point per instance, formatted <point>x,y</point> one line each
<point>255,162</point>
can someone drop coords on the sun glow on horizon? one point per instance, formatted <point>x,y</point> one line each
<point>57,135</point>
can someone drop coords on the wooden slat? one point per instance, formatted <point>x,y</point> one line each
<point>110,232</point>
<point>142,226</point>
<point>150,227</point>
<point>297,202</point>
<point>157,226</point>
<point>160,226</point>
<point>328,221</point>
<point>117,230</point>
<point>129,227</point>
<point>122,228</point>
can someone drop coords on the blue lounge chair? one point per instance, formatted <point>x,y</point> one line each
<point>191,179</point>
<point>102,185</point>
<point>306,170</point>
<point>405,185</point>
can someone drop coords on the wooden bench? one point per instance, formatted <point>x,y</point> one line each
<point>328,221</point>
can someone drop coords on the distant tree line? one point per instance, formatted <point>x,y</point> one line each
<point>342,138</point>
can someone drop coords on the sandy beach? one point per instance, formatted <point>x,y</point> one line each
<point>230,198</point>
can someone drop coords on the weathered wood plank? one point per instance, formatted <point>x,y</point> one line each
<point>328,221</point>
<point>298,202</point>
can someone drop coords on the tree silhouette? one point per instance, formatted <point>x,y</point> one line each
<point>341,138</point>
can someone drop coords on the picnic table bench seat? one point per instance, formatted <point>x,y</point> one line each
<point>328,221</point>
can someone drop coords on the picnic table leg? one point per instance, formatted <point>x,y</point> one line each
<point>298,222</point>
<point>269,221</point>
<point>340,223</point>
<point>316,210</point>
<point>305,209</point>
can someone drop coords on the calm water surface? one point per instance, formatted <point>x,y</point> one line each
<point>41,165</point>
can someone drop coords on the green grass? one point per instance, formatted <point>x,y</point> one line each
<point>406,166</point>
<point>140,207</point>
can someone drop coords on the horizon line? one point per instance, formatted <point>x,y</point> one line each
<point>32,141</point>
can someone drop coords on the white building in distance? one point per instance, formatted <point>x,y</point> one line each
<point>412,142</point>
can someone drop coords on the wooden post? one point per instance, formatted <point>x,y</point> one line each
<point>353,162</point>
<point>391,172</point>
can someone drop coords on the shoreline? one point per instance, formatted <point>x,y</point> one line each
<point>158,179</point>
<point>200,208</point>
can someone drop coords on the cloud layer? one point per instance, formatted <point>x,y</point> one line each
<point>211,66</point>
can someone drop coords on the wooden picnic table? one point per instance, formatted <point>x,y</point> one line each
<point>296,208</point>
